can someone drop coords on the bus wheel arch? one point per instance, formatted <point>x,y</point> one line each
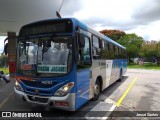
<point>97,88</point>
<point>99,78</point>
<point>120,75</point>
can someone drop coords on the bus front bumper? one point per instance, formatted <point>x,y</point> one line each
<point>65,103</point>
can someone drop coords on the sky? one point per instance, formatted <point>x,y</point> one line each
<point>131,16</point>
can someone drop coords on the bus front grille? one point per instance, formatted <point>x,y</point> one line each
<point>38,92</point>
<point>37,99</point>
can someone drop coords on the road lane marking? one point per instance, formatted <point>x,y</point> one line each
<point>5,100</point>
<point>112,108</point>
<point>103,109</point>
<point>126,92</point>
<point>109,112</point>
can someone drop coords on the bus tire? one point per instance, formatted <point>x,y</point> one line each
<point>96,91</point>
<point>120,77</point>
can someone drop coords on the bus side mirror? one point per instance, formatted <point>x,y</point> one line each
<point>81,40</point>
<point>6,49</point>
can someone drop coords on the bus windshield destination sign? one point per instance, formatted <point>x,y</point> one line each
<point>52,69</point>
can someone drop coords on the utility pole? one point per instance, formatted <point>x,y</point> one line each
<point>58,12</point>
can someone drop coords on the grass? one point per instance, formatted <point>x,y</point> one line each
<point>5,70</point>
<point>144,66</point>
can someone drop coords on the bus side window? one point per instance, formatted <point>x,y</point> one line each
<point>100,43</point>
<point>116,52</point>
<point>104,53</point>
<point>111,51</point>
<point>85,55</point>
<point>119,53</point>
<point>96,48</point>
<point>124,55</point>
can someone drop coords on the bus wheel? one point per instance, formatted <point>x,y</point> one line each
<point>96,91</point>
<point>120,78</point>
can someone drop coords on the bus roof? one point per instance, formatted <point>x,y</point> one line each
<point>76,22</point>
<point>85,27</point>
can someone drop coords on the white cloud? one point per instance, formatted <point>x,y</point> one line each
<point>136,16</point>
<point>116,10</point>
<point>148,32</point>
<point>104,9</point>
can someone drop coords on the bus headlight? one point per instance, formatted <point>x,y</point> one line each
<point>64,90</point>
<point>18,86</point>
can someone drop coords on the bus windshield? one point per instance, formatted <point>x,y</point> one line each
<point>45,56</point>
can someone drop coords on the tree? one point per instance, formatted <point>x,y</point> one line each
<point>3,61</point>
<point>133,43</point>
<point>113,34</point>
<point>150,51</point>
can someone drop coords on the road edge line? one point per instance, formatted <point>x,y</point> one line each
<point>126,92</point>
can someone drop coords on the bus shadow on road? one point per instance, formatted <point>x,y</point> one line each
<point>87,108</point>
<point>109,90</point>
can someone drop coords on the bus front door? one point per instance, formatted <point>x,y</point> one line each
<point>83,74</point>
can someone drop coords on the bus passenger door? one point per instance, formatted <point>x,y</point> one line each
<point>108,72</point>
<point>83,74</point>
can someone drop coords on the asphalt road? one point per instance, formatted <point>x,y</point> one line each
<point>139,92</point>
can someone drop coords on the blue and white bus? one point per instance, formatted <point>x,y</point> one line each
<point>62,63</point>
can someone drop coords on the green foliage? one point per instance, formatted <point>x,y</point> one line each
<point>113,34</point>
<point>3,61</point>
<point>151,50</point>
<point>133,43</point>
<point>5,70</point>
